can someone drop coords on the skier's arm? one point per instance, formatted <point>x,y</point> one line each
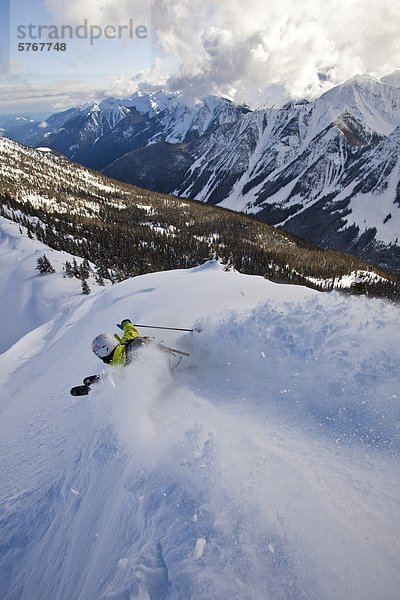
<point>130,332</point>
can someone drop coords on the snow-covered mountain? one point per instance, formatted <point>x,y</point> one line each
<point>299,166</point>
<point>264,466</point>
<point>99,132</point>
<point>292,167</point>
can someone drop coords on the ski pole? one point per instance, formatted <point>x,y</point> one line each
<point>169,328</point>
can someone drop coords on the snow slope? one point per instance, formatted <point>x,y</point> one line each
<point>265,466</point>
<point>28,299</point>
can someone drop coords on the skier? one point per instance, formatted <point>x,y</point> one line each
<point>116,350</point>
<point>119,351</point>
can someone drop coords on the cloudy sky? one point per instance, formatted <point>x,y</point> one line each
<point>237,48</point>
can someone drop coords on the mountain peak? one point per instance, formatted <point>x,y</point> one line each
<point>392,79</point>
<point>364,79</point>
<point>366,98</point>
<point>153,102</point>
<point>213,100</point>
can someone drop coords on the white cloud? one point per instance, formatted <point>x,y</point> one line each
<point>237,44</point>
<point>239,47</point>
<point>23,96</point>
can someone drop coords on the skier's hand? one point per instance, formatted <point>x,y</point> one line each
<point>123,322</point>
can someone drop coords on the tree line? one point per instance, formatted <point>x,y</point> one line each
<point>156,232</point>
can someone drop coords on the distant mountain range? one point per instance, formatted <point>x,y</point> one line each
<point>328,170</point>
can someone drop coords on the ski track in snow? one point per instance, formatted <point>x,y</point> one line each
<point>265,466</point>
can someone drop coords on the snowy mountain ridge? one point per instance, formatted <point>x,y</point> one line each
<point>260,468</point>
<point>299,167</point>
<point>373,102</point>
<point>97,132</point>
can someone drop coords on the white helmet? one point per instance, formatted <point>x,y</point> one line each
<point>104,344</point>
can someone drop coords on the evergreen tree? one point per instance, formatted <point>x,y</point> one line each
<point>69,271</point>
<point>119,276</point>
<point>85,287</point>
<point>75,269</point>
<point>84,269</point>
<point>101,273</point>
<point>229,265</point>
<point>44,265</point>
<point>99,279</point>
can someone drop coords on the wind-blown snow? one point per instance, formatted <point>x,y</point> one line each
<point>264,466</point>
